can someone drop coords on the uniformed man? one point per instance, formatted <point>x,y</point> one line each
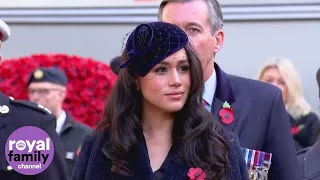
<point>15,114</point>
<point>48,87</point>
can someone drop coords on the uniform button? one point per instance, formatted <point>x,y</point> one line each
<point>9,168</point>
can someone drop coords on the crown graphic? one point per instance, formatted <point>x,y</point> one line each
<point>20,145</point>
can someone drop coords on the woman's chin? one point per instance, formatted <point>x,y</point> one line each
<point>174,107</point>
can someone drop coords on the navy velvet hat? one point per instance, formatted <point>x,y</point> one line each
<point>151,43</point>
<point>52,75</point>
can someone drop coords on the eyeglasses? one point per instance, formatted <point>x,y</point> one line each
<point>42,91</point>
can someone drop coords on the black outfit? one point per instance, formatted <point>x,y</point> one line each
<point>92,163</point>
<point>71,135</point>
<point>307,136</point>
<point>25,113</point>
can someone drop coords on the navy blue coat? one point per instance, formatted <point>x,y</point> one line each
<point>92,164</point>
<point>261,121</point>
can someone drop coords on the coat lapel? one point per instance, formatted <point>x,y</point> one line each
<point>142,167</point>
<point>223,93</point>
<point>174,169</point>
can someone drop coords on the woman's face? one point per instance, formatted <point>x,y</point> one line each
<point>273,76</point>
<point>166,86</point>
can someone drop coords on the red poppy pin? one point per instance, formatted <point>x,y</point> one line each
<point>296,129</point>
<point>78,150</point>
<point>226,113</point>
<point>196,174</point>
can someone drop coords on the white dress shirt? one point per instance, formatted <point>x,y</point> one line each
<point>60,121</point>
<point>209,90</point>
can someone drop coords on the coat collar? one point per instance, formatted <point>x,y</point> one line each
<point>224,89</point>
<point>224,92</point>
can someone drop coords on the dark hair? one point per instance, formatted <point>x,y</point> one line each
<point>197,136</point>
<point>115,63</point>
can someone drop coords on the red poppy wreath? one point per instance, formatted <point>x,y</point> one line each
<point>89,82</point>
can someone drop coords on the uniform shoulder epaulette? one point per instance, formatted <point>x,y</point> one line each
<point>31,105</point>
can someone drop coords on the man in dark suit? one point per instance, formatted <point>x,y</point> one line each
<point>47,86</point>
<point>252,109</point>
<point>15,114</point>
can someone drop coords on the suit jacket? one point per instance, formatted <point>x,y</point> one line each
<point>24,113</point>
<point>261,121</point>
<point>309,162</point>
<point>71,135</point>
<point>92,164</point>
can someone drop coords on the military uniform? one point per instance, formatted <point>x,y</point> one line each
<point>71,132</point>
<point>71,136</point>
<point>15,114</point>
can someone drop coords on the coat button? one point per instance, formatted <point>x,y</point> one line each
<point>9,168</point>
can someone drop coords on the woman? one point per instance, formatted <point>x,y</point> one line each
<point>304,123</point>
<point>155,125</point>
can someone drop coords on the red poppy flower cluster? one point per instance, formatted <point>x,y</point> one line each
<point>89,82</point>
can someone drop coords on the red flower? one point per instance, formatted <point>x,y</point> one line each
<point>296,129</point>
<point>89,82</point>
<point>226,113</point>
<point>196,174</point>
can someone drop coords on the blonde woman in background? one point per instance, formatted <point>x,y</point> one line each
<point>305,124</point>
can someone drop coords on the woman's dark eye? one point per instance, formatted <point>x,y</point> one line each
<point>161,70</point>
<point>184,68</point>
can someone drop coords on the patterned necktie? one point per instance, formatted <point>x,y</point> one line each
<point>205,103</point>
